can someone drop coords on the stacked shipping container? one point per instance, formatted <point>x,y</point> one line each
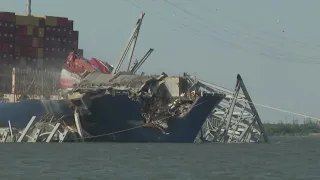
<point>34,42</point>
<point>59,40</point>
<point>7,35</point>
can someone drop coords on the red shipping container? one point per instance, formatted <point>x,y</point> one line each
<point>7,16</point>
<point>32,52</point>
<point>7,48</point>
<point>62,22</point>
<point>21,30</point>
<point>28,51</point>
<point>4,48</point>
<point>23,40</point>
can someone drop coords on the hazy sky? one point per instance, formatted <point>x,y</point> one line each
<point>273,44</point>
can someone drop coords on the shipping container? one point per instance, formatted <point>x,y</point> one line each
<point>51,42</point>
<point>35,31</point>
<point>72,45</point>
<point>6,37</point>
<point>73,35</point>
<point>7,30</point>
<point>70,25</point>
<point>6,48</point>
<point>27,51</point>
<point>42,22</point>
<point>47,52</point>
<point>6,56</point>
<point>62,22</point>
<point>17,51</point>
<point>7,16</point>
<point>41,32</point>
<point>50,21</point>
<point>62,32</point>
<point>40,53</point>
<point>8,27</point>
<point>25,30</point>
<point>30,37</point>
<point>27,20</point>
<point>37,42</point>
<point>56,31</point>
<point>23,40</point>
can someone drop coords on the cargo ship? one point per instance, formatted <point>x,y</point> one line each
<point>127,107</point>
<point>35,49</point>
<point>122,106</point>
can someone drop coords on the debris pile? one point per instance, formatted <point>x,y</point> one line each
<point>47,129</point>
<point>161,100</point>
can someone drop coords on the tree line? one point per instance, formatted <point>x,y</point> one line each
<point>281,129</point>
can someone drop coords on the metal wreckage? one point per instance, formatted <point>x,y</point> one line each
<point>126,107</point>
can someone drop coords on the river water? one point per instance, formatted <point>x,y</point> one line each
<point>283,158</point>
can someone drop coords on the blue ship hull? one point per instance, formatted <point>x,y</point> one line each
<point>117,116</point>
<point>20,113</point>
<point>119,119</point>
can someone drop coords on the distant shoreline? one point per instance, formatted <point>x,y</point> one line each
<point>296,135</point>
<point>307,129</point>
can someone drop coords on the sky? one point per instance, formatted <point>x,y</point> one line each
<point>272,44</point>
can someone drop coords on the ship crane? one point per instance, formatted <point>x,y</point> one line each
<point>29,7</point>
<point>131,46</point>
<point>136,67</point>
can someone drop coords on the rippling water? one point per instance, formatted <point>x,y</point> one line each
<point>284,158</point>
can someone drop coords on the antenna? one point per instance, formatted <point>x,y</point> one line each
<point>29,7</point>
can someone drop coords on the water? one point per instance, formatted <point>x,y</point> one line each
<point>285,158</point>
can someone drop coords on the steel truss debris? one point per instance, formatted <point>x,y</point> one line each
<point>47,129</point>
<point>235,119</point>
